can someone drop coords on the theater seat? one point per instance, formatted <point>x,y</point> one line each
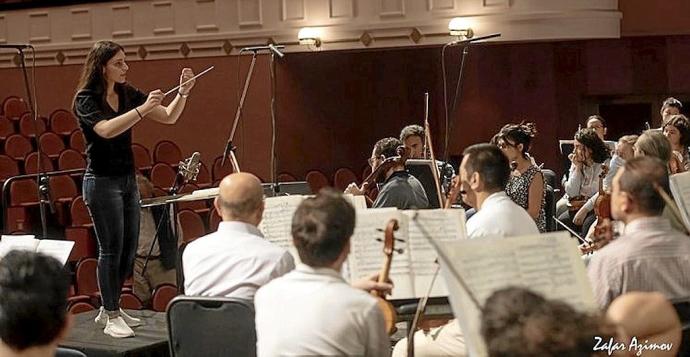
<point>168,152</point>
<point>317,180</point>
<point>192,225</point>
<point>343,177</point>
<point>162,295</point>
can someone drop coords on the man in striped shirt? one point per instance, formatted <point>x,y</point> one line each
<point>649,255</point>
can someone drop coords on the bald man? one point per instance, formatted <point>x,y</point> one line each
<point>235,260</point>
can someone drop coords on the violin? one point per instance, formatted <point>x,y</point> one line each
<point>675,164</point>
<point>389,315</point>
<point>453,192</point>
<point>377,175</point>
<point>603,231</point>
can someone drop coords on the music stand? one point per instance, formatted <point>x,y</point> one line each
<point>286,188</point>
<point>421,170</point>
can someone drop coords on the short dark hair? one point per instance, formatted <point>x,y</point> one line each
<point>491,164</point>
<point>522,133</point>
<point>387,147</point>
<point>680,122</point>
<point>411,130</point>
<point>322,226</point>
<point>33,299</point>
<point>590,139</point>
<point>518,322</point>
<point>596,117</point>
<point>640,179</point>
<point>672,103</point>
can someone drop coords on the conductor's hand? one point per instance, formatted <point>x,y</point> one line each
<point>371,283</point>
<point>354,190</point>
<point>154,99</point>
<point>185,76</point>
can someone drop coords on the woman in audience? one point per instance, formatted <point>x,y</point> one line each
<point>588,158</point>
<point>107,108</point>
<point>526,186</point>
<point>677,130</point>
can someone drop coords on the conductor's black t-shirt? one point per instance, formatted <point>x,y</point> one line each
<point>107,157</point>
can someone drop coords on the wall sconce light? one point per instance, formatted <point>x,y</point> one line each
<point>460,27</point>
<point>309,36</point>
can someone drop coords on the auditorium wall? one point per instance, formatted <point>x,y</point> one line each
<point>333,106</point>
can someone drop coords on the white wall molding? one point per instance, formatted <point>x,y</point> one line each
<point>201,28</point>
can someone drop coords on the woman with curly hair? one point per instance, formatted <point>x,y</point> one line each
<point>588,159</point>
<point>526,186</point>
<point>677,131</point>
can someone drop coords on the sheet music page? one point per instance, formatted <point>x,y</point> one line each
<point>549,264</point>
<point>358,201</point>
<point>366,253</point>
<point>680,189</point>
<point>440,225</point>
<point>11,242</point>
<point>58,249</point>
<point>276,224</point>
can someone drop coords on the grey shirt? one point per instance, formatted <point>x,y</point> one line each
<point>403,191</point>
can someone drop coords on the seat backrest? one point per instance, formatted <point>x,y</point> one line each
<point>192,225</point>
<point>550,209</point>
<point>228,327</point>
<point>87,283</point>
<point>142,158</point>
<point>6,128</point>
<point>17,146</point>
<point>163,175</point>
<point>343,177</point>
<point>23,191</point>
<point>8,167</point>
<point>68,352</point>
<point>77,141</point>
<point>13,107</point>
<point>162,295</point>
<point>286,177</point>
<point>168,152</point>
<point>317,180</point>
<point>71,159</point>
<point>31,163</point>
<point>80,213</point>
<point>218,171</point>
<point>28,127</point>
<point>63,122</point>
<point>51,144</point>
<point>130,301</point>
<point>63,186</point>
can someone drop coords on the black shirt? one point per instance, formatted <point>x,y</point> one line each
<point>403,191</point>
<point>107,157</point>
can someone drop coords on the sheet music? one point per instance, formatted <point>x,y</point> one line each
<point>276,224</point>
<point>441,225</point>
<point>58,249</point>
<point>358,201</point>
<point>11,242</point>
<point>549,264</point>
<point>680,188</point>
<point>366,254</point>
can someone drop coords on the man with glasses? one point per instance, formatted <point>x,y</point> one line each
<point>399,189</point>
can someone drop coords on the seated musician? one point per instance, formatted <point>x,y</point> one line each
<point>235,260</point>
<point>598,124</point>
<point>399,189</point>
<point>518,322</point>
<point>590,154</point>
<point>412,136</point>
<point>313,311</point>
<point>670,107</point>
<point>650,255</point>
<point>653,143</point>
<point>677,130</point>
<point>484,173</point>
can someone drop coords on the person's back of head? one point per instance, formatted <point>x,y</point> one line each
<point>321,229</point>
<point>240,198</point>
<point>490,163</point>
<point>387,147</point>
<point>641,179</point>
<point>518,322</point>
<point>653,143</point>
<point>33,300</point>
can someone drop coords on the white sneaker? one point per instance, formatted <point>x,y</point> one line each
<point>102,317</point>
<point>131,321</point>
<point>117,328</point>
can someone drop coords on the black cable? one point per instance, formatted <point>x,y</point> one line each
<point>458,88</point>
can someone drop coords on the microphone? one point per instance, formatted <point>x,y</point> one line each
<point>274,49</point>
<point>17,47</point>
<point>189,169</point>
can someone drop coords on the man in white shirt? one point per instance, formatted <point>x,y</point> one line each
<point>313,311</point>
<point>235,260</point>
<point>484,173</point>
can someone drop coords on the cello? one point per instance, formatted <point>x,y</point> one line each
<point>389,315</point>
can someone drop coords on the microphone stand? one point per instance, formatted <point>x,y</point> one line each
<point>42,181</point>
<point>465,52</point>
